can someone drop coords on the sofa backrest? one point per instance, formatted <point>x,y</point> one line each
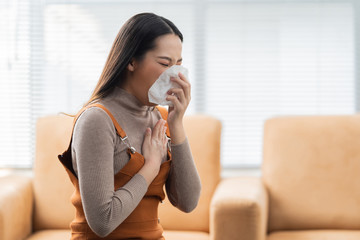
<point>52,186</point>
<point>311,169</point>
<point>53,189</point>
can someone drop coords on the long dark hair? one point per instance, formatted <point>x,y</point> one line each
<point>135,38</point>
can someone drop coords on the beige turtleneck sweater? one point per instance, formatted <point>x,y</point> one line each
<point>98,154</point>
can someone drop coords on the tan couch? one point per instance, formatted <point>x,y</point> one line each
<point>311,176</point>
<point>39,208</point>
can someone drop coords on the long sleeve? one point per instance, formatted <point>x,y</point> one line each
<point>93,150</point>
<point>183,185</point>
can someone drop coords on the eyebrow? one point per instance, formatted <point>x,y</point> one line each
<point>169,59</point>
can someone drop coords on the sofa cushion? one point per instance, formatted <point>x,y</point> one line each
<point>311,169</point>
<point>315,235</point>
<point>188,235</point>
<point>50,234</point>
<point>169,235</point>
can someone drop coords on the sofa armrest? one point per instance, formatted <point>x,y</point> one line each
<point>239,209</point>
<point>16,206</point>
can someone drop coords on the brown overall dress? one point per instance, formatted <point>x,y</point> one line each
<point>143,222</point>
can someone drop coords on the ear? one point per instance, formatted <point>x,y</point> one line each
<point>131,66</point>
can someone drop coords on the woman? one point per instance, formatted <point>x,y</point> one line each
<point>119,158</point>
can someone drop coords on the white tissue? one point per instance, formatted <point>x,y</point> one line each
<point>158,91</point>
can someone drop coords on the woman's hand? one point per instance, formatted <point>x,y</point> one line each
<point>154,149</point>
<point>180,97</point>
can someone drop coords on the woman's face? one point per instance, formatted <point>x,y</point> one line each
<point>143,74</point>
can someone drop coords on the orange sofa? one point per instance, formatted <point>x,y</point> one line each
<point>311,176</point>
<point>309,187</point>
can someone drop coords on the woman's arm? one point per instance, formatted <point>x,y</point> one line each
<point>183,185</point>
<point>93,145</point>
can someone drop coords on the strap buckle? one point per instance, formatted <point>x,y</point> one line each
<point>125,140</point>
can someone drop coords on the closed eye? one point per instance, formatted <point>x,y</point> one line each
<point>165,65</point>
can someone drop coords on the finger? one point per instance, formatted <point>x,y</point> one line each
<point>161,132</point>
<point>165,128</point>
<point>179,93</point>
<point>182,76</point>
<point>163,135</point>
<point>184,85</point>
<point>147,136</point>
<point>157,129</point>
<point>175,101</point>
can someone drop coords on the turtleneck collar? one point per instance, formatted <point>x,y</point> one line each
<point>128,101</point>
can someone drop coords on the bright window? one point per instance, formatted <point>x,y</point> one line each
<point>248,61</point>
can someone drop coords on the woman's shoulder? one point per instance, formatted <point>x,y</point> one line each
<point>93,119</point>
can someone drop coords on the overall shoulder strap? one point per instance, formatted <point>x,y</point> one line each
<point>119,130</point>
<point>66,159</point>
<point>164,114</point>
